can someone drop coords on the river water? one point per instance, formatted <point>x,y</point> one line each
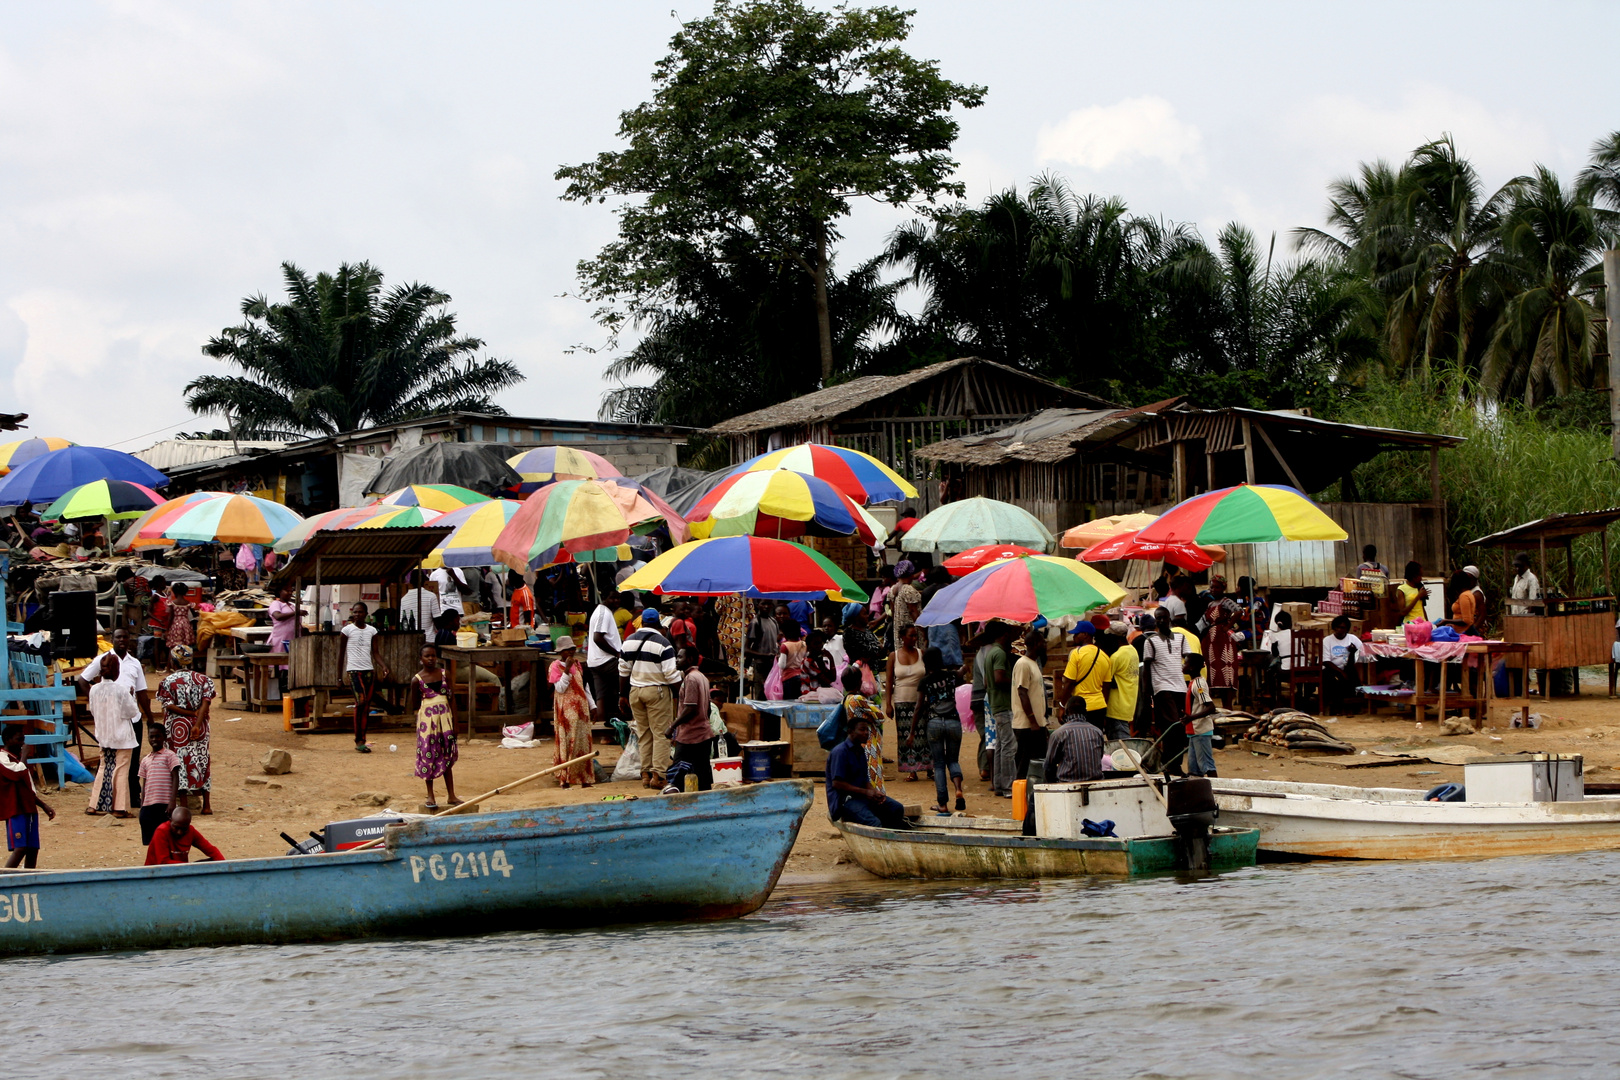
<point>1305,970</point>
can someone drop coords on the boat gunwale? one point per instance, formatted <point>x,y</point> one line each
<point>972,838</point>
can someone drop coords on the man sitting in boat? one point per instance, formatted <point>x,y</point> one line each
<point>174,839</point>
<point>1075,751</point>
<point>851,795</point>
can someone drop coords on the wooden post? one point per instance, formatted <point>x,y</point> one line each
<point>1569,564</point>
<point>1608,587</point>
<point>1434,473</point>
<point>1180,470</point>
<point>1280,459</point>
<point>1248,450</point>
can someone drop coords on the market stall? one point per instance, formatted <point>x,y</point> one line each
<point>353,558</point>
<point>1564,630</point>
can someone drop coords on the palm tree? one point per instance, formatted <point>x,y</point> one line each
<point>1255,332</point>
<point>340,354</point>
<point>1542,345</point>
<point>1449,273</point>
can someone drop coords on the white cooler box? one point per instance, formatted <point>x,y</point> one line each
<point>1525,778</point>
<point>1129,804</point>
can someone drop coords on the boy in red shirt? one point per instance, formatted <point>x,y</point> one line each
<point>174,839</point>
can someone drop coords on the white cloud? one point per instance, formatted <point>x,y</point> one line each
<point>1101,137</point>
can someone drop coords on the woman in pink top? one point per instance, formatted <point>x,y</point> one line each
<point>283,620</point>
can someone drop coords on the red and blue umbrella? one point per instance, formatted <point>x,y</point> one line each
<point>50,476</point>
<point>545,464</point>
<point>784,505</point>
<point>860,476</point>
<point>754,566</point>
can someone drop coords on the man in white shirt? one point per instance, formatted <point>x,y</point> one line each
<point>113,707</point>
<point>1340,652</point>
<point>602,648</point>
<point>132,676</point>
<point>1525,585</point>
<point>362,658</point>
<point>419,607</point>
<point>450,581</point>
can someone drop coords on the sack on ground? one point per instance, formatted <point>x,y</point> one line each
<point>629,766</point>
<point>524,732</point>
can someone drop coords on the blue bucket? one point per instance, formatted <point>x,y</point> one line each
<point>756,765</point>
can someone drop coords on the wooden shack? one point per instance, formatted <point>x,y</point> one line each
<point>891,416</point>
<point>1071,465</point>
<point>354,557</point>
<point>1568,630</point>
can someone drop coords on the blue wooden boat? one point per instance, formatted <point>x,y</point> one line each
<point>709,855</point>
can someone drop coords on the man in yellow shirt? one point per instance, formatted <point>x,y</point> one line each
<point>1126,663</point>
<point>1085,674</point>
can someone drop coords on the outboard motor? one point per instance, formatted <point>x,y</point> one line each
<point>304,847</point>
<point>1192,811</point>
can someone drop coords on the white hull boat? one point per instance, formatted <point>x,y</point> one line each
<point>1334,821</point>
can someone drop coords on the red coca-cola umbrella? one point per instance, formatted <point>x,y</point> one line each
<point>1125,545</point>
<point>965,562</point>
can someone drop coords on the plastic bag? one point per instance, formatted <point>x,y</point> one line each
<point>964,707</point>
<point>1444,633</point>
<point>773,682</point>
<point>830,732</point>
<point>629,766</point>
<point>521,732</point>
<point>1420,632</point>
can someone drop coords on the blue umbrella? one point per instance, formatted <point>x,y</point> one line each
<point>52,475</point>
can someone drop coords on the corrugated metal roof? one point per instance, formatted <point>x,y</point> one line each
<point>360,556</point>
<point>174,453</point>
<point>1548,528</point>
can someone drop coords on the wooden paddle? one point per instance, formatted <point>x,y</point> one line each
<point>491,793</point>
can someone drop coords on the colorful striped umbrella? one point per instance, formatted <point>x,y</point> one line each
<point>1246,514</point>
<point>400,517</point>
<point>235,519</point>
<point>754,566</point>
<point>860,476</point>
<point>51,475</point>
<point>344,517</point>
<point>974,522</point>
<point>440,497</point>
<point>973,558</point>
<point>644,509</point>
<point>544,464</point>
<point>147,530</point>
<point>476,528</point>
<point>1099,529</point>
<point>782,504</point>
<point>22,451</point>
<point>114,499</point>
<point>568,521</point>
<point>1019,590</point>
<point>1128,545</point>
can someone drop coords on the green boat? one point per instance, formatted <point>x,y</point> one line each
<point>995,848</point>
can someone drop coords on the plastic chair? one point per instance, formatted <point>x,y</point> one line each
<point>30,684</point>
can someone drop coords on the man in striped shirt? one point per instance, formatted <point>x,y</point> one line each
<point>648,676</point>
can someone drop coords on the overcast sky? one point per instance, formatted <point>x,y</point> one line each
<point>158,161</point>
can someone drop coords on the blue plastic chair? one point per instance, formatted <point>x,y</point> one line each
<point>30,683</point>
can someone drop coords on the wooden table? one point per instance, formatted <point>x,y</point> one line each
<point>490,655</point>
<point>1488,651</point>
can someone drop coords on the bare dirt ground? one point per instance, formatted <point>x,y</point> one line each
<point>251,809</point>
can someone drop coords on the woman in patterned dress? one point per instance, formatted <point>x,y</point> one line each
<point>182,622</point>
<point>185,695</point>
<point>1221,647</point>
<point>571,715</point>
<point>436,750</point>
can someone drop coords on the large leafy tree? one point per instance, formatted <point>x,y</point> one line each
<point>1551,246</point>
<point>768,119</point>
<point>341,353</point>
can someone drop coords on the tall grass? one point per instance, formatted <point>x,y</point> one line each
<point>1516,466</point>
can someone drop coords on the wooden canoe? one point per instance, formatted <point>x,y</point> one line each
<point>709,855</point>
<point>944,851</point>
<point>1334,821</point>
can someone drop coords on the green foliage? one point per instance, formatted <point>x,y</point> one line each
<point>341,354</point>
<point>1515,466</point>
<point>768,118</point>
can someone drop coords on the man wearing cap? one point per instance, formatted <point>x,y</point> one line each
<point>1029,703</point>
<point>648,676</point>
<point>1084,677</point>
<point>1125,663</point>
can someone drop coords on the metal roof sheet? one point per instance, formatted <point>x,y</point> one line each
<point>360,556</point>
